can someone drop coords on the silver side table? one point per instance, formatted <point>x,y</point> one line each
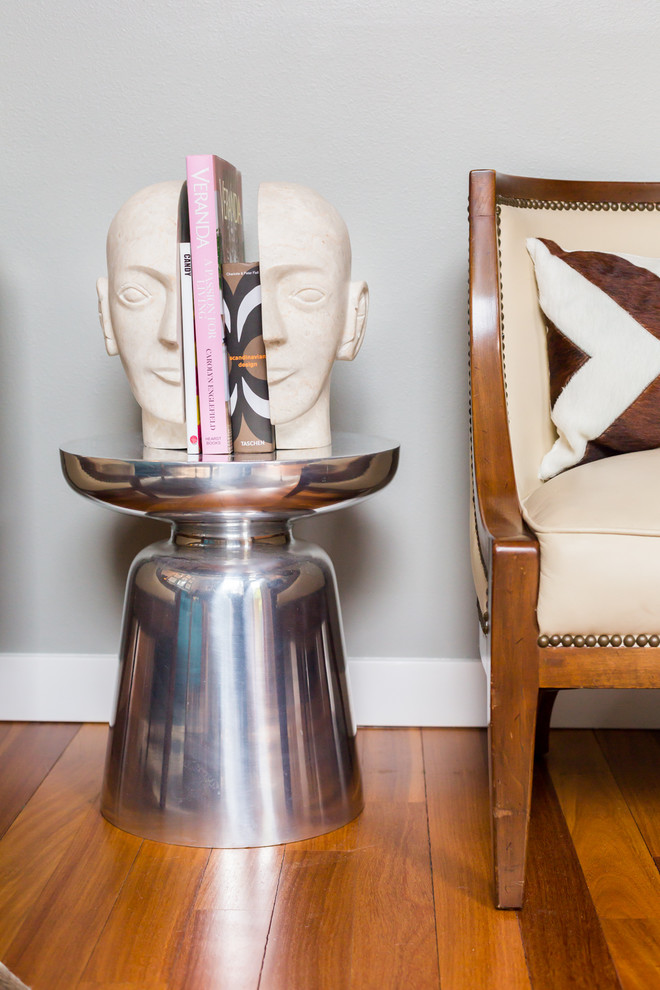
<point>233,724</point>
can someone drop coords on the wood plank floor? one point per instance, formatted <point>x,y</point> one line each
<point>399,898</point>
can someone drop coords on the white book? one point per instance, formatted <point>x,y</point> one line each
<point>190,388</point>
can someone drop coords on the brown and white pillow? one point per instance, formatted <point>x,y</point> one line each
<point>602,314</point>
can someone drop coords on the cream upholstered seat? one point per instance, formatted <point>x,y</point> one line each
<point>567,571</point>
<point>598,527</point>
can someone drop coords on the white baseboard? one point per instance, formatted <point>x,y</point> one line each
<point>76,687</point>
<point>57,687</point>
<point>418,692</point>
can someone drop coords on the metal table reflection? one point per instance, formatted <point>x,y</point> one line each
<point>232,726</point>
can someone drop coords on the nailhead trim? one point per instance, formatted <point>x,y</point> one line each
<point>548,204</point>
<point>569,639</point>
<point>484,619</point>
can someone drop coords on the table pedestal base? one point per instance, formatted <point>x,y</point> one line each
<point>233,725</point>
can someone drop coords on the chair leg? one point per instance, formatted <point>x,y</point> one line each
<point>547,698</point>
<point>514,699</point>
<point>511,743</point>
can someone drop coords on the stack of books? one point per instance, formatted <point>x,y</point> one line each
<point>224,360</point>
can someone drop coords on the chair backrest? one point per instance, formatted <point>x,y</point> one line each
<point>512,428</point>
<point>523,329</point>
<point>619,217</point>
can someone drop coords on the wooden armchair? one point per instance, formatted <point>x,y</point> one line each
<point>567,570</point>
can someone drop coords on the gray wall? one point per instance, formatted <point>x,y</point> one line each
<point>382,107</point>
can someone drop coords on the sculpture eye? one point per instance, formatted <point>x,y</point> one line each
<point>133,295</point>
<point>308,295</point>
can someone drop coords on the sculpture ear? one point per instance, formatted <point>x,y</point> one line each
<point>104,317</point>
<point>356,321</point>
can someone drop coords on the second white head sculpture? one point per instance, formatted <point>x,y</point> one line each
<point>312,313</point>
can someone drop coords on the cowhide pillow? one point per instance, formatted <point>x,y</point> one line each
<point>602,314</point>
<point>10,982</point>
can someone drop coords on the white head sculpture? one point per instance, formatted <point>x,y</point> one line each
<point>312,313</point>
<point>138,308</point>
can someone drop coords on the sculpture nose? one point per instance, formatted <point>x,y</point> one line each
<point>168,333</point>
<point>273,328</point>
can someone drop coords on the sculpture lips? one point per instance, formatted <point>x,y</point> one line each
<point>275,377</point>
<point>172,376</point>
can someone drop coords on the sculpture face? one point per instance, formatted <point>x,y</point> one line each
<point>312,313</point>
<point>138,305</point>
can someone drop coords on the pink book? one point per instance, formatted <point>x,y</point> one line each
<point>216,236</point>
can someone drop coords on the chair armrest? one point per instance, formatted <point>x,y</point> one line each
<point>497,507</point>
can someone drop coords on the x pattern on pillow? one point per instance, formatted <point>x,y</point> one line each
<point>602,316</point>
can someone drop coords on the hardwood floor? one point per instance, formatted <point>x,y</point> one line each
<point>399,898</point>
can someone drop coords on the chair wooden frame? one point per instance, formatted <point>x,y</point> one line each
<point>525,674</point>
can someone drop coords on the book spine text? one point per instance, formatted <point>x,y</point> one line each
<point>215,434</point>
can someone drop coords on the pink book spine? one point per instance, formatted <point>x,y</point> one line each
<point>209,326</point>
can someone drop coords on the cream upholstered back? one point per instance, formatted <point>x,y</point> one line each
<point>605,227</point>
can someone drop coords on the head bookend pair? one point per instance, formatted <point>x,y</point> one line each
<point>311,311</point>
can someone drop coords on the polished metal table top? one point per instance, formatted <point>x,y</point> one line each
<point>170,484</point>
